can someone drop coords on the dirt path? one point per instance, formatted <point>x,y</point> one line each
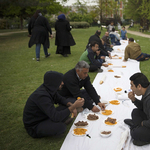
<point>137,33</point>
<point>8,33</point>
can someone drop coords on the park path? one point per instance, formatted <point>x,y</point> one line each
<point>137,33</point>
<point>128,31</point>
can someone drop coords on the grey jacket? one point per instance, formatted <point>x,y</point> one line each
<point>144,105</point>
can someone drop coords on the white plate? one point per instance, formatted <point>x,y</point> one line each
<point>107,115</point>
<point>93,114</point>
<point>113,100</point>
<point>112,124</point>
<point>104,101</point>
<point>105,135</point>
<point>81,126</point>
<point>78,135</point>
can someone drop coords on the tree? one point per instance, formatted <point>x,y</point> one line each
<point>26,8</point>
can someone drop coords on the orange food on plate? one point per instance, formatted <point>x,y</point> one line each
<point>109,64</point>
<point>110,121</point>
<point>79,131</point>
<point>110,71</point>
<point>117,89</point>
<point>120,57</point>
<point>107,112</point>
<point>114,102</point>
<point>123,66</point>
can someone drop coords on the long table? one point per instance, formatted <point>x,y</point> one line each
<point>120,112</point>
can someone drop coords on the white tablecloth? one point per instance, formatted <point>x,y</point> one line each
<point>120,112</point>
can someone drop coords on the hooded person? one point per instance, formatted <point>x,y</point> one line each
<point>63,38</point>
<point>40,117</point>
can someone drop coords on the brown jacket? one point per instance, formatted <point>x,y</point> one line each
<point>133,50</point>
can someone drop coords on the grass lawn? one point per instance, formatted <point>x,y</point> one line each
<point>20,75</point>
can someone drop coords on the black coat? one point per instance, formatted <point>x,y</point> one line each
<point>38,29</point>
<point>40,104</point>
<point>63,35</point>
<point>96,38</point>
<point>72,86</point>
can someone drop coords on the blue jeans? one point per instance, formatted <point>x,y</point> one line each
<point>37,50</point>
<point>142,57</point>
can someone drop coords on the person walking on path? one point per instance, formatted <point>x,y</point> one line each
<point>63,38</point>
<point>39,30</point>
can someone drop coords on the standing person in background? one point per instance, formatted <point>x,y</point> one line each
<point>123,34</point>
<point>39,30</point>
<point>110,27</point>
<point>63,38</point>
<point>99,23</point>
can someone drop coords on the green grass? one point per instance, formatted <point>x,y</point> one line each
<point>20,75</point>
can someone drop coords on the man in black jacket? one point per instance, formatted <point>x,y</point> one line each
<point>40,117</point>
<point>77,78</point>
<point>140,122</point>
<point>96,37</point>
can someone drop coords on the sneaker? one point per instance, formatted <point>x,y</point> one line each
<point>140,143</point>
<point>37,59</point>
<point>47,55</point>
<point>100,70</point>
<point>129,122</point>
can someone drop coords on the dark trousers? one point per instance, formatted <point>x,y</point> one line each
<point>93,68</point>
<point>48,127</point>
<point>142,57</point>
<point>88,101</point>
<point>139,133</point>
<point>63,50</point>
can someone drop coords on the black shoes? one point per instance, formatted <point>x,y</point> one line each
<point>129,122</point>
<point>140,143</point>
<point>65,55</point>
<point>47,55</point>
<point>37,59</point>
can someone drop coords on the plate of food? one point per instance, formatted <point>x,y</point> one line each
<point>79,132</point>
<point>105,133</point>
<point>107,112</point>
<point>110,121</point>
<point>117,76</point>
<point>118,90</point>
<point>81,124</point>
<point>114,102</point>
<point>92,117</point>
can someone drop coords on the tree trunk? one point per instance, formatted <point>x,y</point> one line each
<point>21,22</point>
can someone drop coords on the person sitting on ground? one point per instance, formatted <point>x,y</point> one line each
<point>107,44</point>
<point>110,27</point>
<point>115,38</point>
<point>77,78</point>
<point>93,58</point>
<point>140,122</point>
<point>133,51</point>
<point>40,117</point>
<point>123,34</point>
<point>96,37</point>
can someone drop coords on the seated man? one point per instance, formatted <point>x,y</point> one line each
<point>115,39</point>
<point>133,51</point>
<point>93,58</point>
<point>77,78</point>
<point>96,38</point>
<point>140,122</point>
<point>110,26</point>
<point>40,117</point>
<point>107,44</point>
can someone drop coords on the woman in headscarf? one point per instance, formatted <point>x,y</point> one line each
<point>64,38</point>
<point>39,30</point>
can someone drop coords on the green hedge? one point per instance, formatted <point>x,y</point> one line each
<point>80,24</point>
